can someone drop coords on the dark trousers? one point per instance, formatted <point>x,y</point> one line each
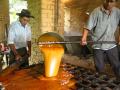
<point>85,51</point>
<point>22,52</point>
<point>113,59</point>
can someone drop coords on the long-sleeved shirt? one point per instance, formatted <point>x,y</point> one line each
<point>19,35</point>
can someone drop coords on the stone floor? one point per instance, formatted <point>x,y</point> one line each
<point>87,63</point>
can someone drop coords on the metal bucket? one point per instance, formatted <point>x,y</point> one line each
<point>52,53</point>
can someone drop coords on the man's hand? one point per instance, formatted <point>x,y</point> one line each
<point>83,41</point>
<point>29,53</point>
<point>17,57</point>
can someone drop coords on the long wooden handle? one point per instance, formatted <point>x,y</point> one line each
<point>75,42</point>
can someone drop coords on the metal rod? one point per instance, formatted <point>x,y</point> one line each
<point>76,42</point>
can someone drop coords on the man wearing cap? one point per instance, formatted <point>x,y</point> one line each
<point>102,24</point>
<point>19,38</point>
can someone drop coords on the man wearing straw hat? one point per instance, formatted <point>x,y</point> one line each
<point>19,38</point>
<point>102,24</point>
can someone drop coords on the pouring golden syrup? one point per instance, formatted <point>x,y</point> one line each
<point>52,55</point>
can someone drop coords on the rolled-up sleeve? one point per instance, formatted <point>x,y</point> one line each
<point>11,35</point>
<point>92,20</point>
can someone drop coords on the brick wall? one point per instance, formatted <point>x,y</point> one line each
<point>47,19</point>
<point>75,20</point>
<point>4,18</point>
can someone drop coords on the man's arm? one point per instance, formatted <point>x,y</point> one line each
<point>84,36</point>
<point>12,47</point>
<point>29,47</point>
<point>11,36</point>
<point>119,33</point>
<point>119,37</point>
<point>91,23</point>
